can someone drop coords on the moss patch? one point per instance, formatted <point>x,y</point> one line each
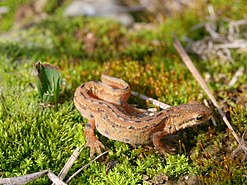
<point>34,137</point>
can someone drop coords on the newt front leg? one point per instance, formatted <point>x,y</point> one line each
<point>91,140</point>
<point>156,138</point>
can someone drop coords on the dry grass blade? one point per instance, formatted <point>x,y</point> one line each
<point>204,86</point>
<point>213,120</point>
<point>240,147</point>
<point>55,179</point>
<point>23,179</point>
<point>234,79</point>
<point>70,163</point>
<point>78,171</point>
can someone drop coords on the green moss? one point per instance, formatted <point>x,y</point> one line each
<point>177,166</point>
<point>34,137</point>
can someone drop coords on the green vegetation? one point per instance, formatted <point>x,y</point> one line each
<point>34,137</point>
<point>47,82</point>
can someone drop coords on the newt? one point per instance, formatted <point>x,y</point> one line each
<point>105,106</point>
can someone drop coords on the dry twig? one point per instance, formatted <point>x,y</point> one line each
<point>70,163</point>
<point>234,79</point>
<point>151,100</point>
<point>78,171</point>
<point>239,148</point>
<point>24,179</point>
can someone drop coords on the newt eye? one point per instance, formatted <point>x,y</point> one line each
<point>199,117</point>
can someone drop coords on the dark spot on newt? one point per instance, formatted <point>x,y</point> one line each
<point>150,119</point>
<point>126,140</point>
<point>114,125</point>
<point>82,85</point>
<point>138,121</point>
<point>88,126</point>
<point>106,132</point>
<point>81,94</point>
<point>104,116</point>
<point>156,124</point>
<point>146,126</point>
<point>100,110</point>
<point>131,127</point>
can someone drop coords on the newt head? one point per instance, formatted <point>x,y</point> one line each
<point>187,115</point>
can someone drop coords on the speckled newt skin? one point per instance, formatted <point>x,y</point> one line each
<point>105,106</point>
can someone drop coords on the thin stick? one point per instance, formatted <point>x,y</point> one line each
<point>234,79</point>
<point>70,163</point>
<point>151,100</point>
<point>24,178</point>
<point>212,118</point>
<point>55,179</point>
<point>200,80</point>
<point>78,171</point>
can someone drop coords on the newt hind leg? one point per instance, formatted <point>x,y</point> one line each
<point>91,140</point>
